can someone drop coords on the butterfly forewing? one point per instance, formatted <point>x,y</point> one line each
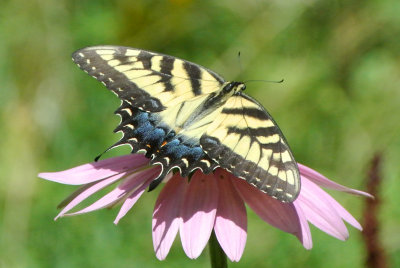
<point>147,80</point>
<point>245,140</point>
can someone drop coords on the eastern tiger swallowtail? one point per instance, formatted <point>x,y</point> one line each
<point>185,116</point>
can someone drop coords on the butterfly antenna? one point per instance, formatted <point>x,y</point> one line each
<point>240,63</point>
<point>267,81</point>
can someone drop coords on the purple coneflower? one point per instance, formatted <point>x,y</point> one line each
<point>208,202</point>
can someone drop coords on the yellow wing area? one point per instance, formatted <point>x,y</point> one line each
<point>245,140</point>
<point>149,81</point>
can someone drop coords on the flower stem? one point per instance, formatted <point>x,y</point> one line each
<point>217,255</point>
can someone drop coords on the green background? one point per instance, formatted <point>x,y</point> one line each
<point>339,105</point>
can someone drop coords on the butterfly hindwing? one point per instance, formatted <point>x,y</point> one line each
<point>149,81</point>
<point>245,140</point>
<point>146,132</point>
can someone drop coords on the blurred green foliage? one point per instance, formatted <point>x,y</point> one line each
<point>339,104</point>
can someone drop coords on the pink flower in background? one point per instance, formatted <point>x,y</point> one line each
<point>208,202</point>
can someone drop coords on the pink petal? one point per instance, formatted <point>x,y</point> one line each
<point>95,171</point>
<point>130,182</point>
<point>166,215</point>
<point>148,177</point>
<point>344,214</point>
<point>231,219</point>
<point>325,182</point>
<point>74,194</point>
<point>319,211</point>
<point>198,213</point>
<point>280,215</point>
<point>88,192</point>
<point>305,235</point>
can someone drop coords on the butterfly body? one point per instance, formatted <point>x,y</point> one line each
<point>184,116</point>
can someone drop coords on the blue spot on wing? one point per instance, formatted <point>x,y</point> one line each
<point>146,131</point>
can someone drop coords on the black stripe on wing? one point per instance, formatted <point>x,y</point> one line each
<point>249,144</point>
<point>194,73</point>
<point>91,62</point>
<point>145,79</point>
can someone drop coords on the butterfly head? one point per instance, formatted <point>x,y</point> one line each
<point>232,88</point>
<point>227,90</point>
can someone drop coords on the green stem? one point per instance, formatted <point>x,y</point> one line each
<point>217,255</point>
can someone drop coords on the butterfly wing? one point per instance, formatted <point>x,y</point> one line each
<point>149,81</point>
<point>158,93</point>
<point>245,140</point>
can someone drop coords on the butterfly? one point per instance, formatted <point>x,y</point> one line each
<point>184,116</point>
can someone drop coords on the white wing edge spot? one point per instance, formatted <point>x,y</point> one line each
<point>105,51</point>
<point>206,162</point>
<point>127,110</point>
<point>131,52</point>
<point>166,160</point>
